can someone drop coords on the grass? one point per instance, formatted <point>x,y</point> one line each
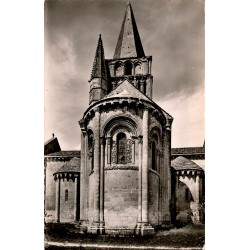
<point>188,236</point>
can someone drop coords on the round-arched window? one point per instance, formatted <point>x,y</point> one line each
<point>121,148</point>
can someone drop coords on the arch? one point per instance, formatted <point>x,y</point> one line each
<point>128,68</point>
<point>138,68</point>
<point>120,122</point>
<point>118,69</point>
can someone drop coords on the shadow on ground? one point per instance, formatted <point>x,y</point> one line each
<point>187,236</point>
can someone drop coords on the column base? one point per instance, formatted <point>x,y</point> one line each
<point>144,228</point>
<point>96,228</point>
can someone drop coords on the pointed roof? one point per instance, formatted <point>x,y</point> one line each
<point>126,89</point>
<point>99,66</point>
<point>71,166</point>
<point>129,42</point>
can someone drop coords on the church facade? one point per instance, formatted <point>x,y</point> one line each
<point>122,180</point>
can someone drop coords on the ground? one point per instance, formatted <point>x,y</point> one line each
<point>64,237</point>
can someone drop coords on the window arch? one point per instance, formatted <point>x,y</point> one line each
<point>66,195</point>
<point>121,148</point>
<point>138,69</point>
<point>128,68</point>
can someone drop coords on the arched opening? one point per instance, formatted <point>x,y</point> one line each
<point>118,70</point>
<point>128,68</point>
<point>138,69</point>
<point>121,148</point>
<point>154,157</point>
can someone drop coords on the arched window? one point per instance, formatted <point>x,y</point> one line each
<point>154,157</point>
<point>66,195</point>
<point>128,68</point>
<point>91,149</point>
<point>138,69</point>
<point>118,70</point>
<point>121,148</point>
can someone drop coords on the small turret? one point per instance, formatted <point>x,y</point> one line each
<point>98,79</point>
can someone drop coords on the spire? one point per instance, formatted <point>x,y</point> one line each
<point>129,42</point>
<point>99,67</point>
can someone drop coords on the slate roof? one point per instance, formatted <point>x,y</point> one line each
<point>182,163</point>
<point>51,146</point>
<point>68,153</point>
<point>129,41</point>
<point>71,166</point>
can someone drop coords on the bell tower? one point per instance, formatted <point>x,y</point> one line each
<point>129,61</point>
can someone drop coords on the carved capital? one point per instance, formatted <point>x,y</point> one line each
<point>108,140</point>
<point>140,139</point>
<point>102,140</point>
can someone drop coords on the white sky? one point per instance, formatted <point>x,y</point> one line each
<point>172,31</point>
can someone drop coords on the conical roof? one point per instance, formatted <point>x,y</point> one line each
<point>71,166</point>
<point>99,66</point>
<point>182,163</point>
<point>129,42</point>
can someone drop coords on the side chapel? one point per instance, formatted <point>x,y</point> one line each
<point>122,180</point>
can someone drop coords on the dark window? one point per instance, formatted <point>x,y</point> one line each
<point>128,68</point>
<point>121,148</point>
<point>91,149</point>
<point>66,195</point>
<point>154,157</point>
<point>187,195</point>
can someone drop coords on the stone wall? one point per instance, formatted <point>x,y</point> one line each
<point>121,198</point>
<point>50,187</point>
<point>68,207</point>
<point>153,204</point>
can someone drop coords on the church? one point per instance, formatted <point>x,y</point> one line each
<point>126,179</point>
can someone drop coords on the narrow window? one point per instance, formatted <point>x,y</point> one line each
<point>128,68</point>
<point>154,158</point>
<point>66,195</point>
<point>121,148</point>
<point>187,196</point>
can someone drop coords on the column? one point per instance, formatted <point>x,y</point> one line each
<point>102,160</point>
<point>57,214</point>
<point>75,177</point>
<point>198,197</point>
<point>139,183</point>
<point>108,151</point>
<point>97,168</point>
<point>166,176</point>
<point>146,228</point>
<point>176,195</point>
<point>145,167</point>
<point>83,187</point>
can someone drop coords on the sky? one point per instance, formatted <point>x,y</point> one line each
<point>171,31</point>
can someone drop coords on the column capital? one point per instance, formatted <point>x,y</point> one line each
<point>102,140</point>
<point>140,139</point>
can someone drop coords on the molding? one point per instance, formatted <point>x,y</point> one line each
<point>121,167</point>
